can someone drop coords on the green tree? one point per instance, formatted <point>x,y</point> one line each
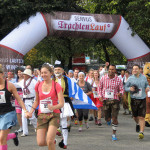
<point>14,12</point>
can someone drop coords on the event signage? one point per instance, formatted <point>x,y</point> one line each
<point>83,24</point>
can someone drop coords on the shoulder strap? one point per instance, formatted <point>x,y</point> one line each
<point>6,84</point>
<point>55,87</point>
<point>38,85</point>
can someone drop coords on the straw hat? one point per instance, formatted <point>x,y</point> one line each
<point>28,72</point>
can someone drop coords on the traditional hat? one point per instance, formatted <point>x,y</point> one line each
<point>58,64</point>
<point>28,72</point>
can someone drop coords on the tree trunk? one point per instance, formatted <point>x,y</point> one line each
<point>106,54</point>
<point>70,63</point>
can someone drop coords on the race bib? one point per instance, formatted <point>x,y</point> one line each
<point>139,94</point>
<point>109,94</point>
<point>44,105</point>
<point>95,94</point>
<point>2,97</point>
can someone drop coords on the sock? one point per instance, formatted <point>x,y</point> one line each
<point>141,132</point>
<point>65,136</point>
<point>3,147</point>
<point>114,127</point>
<point>11,136</point>
<point>99,120</point>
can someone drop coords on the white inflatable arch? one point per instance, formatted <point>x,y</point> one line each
<point>114,27</point>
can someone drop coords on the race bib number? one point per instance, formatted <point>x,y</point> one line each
<point>95,94</point>
<point>139,94</point>
<point>44,105</point>
<point>2,97</point>
<point>109,94</point>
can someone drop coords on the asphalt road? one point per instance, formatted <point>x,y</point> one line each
<point>94,138</point>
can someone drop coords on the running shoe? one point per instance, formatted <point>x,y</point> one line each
<point>91,118</point>
<point>137,128</point>
<point>65,147</point>
<point>96,122</point>
<point>23,135</point>
<point>80,129</point>
<point>99,123</point>
<point>114,137</point>
<point>58,132</point>
<point>16,141</point>
<point>55,141</point>
<point>20,130</point>
<point>86,125</point>
<point>62,145</point>
<point>109,123</point>
<point>76,122</point>
<point>141,135</point>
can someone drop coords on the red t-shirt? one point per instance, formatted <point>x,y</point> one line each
<point>56,88</point>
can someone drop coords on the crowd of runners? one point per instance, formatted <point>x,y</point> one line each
<point>42,97</point>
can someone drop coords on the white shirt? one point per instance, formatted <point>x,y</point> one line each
<point>31,87</point>
<point>102,72</point>
<point>120,76</point>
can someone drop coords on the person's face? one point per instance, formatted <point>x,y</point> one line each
<point>112,70</point>
<point>95,74</point>
<point>100,69</point>
<point>20,74</point>
<point>58,71</point>
<point>9,75</point>
<point>45,74</point>
<point>141,70</point>
<point>35,73</point>
<point>91,74</point>
<point>26,77</point>
<point>136,70</point>
<point>81,77</point>
<point>122,72</point>
<point>76,73</point>
<point>127,74</point>
<point>28,67</point>
<point>70,75</point>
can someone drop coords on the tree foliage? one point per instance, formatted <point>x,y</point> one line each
<point>14,12</point>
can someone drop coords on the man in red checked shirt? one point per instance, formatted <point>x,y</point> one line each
<point>110,90</point>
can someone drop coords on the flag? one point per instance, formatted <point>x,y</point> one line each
<point>80,99</point>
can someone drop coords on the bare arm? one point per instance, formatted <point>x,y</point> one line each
<point>60,104</point>
<point>13,90</point>
<point>36,103</point>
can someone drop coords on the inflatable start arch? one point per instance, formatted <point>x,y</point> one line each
<point>65,24</point>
